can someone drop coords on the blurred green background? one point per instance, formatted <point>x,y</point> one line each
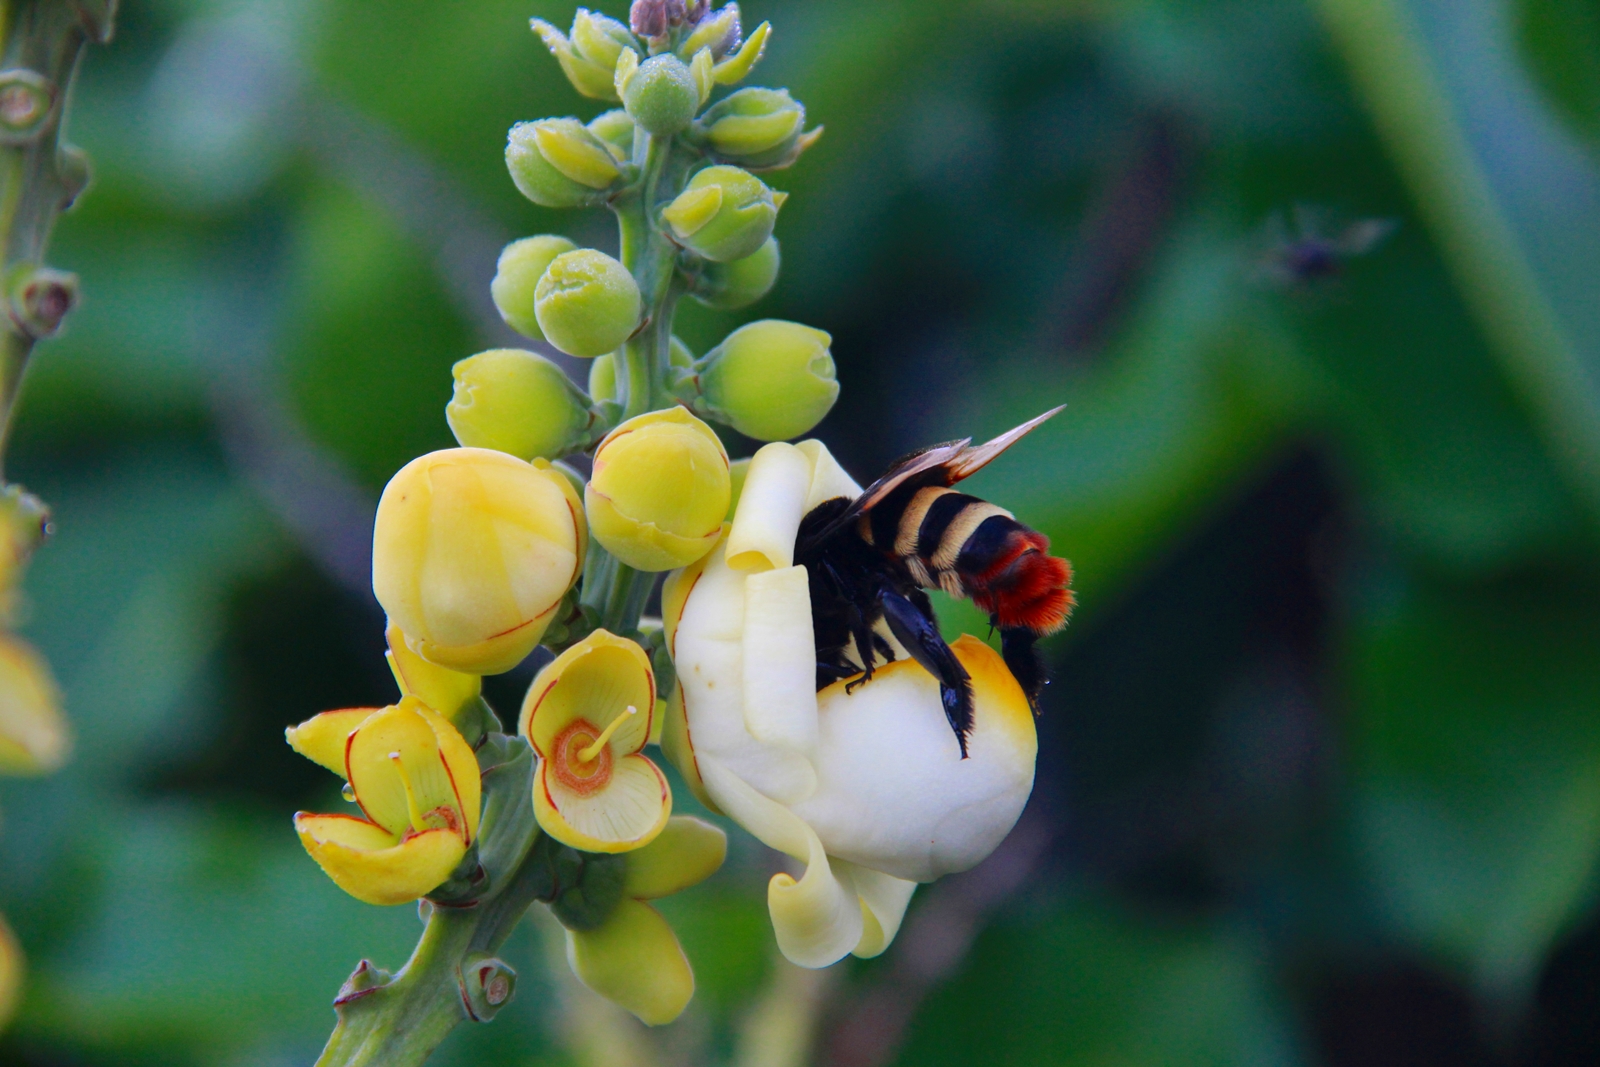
<point>1319,777</point>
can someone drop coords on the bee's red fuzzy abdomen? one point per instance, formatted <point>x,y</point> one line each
<point>1023,585</point>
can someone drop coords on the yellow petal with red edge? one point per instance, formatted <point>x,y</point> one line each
<point>686,852</point>
<point>625,814</point>
<point>462,764</point>
<point>679,584</point>
<point>401,777</point>
<point>634,960</point>
<point>322,738</point>
<point>33,733</point>
<point>442,689</point>
<point>678,746</point>
<point>10,972</point>
<point>596,679</point>
<point>373,865</point>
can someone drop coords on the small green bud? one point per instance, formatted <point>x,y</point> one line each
<point>771,380</point>
<point>661,95</point>
<point>559,163</point>
<point>587,303</point>
<point>516,275</point>
<point>743,281</point>
<point>487,984</point>
<point>589,886</point>
<point>589,57</point>
<point>724,214</point>
<point>603,378</point>
<point>519,402</point>
<point>720,33</point>
<point>615,128</point>
<point>754,128</point>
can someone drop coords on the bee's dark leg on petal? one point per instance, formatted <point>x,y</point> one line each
<point>828,673</point>
<point>919,633</point>
<point>861,631</point>
<point>882,647</point>
<point>1027,666</point>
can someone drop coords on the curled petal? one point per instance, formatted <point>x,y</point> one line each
<point>33,732</point>
<point>374,865</point>
<point>634,959</point>
<point>780,660</point>
<point>685,853</point>
<point>626,813</point>
<point>771,505</point>
<point>884,899</point>
<point>818,919</point>
<point>596,679</point>
<point>322,739</point>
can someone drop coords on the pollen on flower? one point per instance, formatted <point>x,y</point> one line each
<point>584,777</point>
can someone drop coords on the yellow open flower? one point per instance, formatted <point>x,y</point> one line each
<point>472,551</point>
<point>868,789</point>
<point>659,490</point>
<point>33,732</point>
<point>417,783</point>
<point>587,715</point>
<point>633,958</point>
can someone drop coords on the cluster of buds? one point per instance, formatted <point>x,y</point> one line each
<point>484,552</point>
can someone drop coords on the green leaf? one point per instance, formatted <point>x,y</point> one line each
<point>1560,42</point>
<point>1476,765</point>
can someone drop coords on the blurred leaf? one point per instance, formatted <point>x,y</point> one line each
<point>1085,985</point>
<point>1476,758</point>
<point>1560,41</point>
<point>370,337</point>
<point>1512,198</point>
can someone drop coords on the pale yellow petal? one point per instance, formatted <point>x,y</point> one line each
<point>780,660</point>
<point>34,738</point>
<point>686,852</point>
<point>399,775</point>
<point>828,479</point>
<point>624,815</point>
<point>771,506</point>
<point>442,689</point>
<point>462,766</point>
<point>634,960</point>
<point>884,899</point>
<point>597,679</point>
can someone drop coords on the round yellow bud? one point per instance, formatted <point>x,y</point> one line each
<point>518,402</point>
<point>587,303</point>
<point>472,551</point>
<point>659,491</point>
<point>516,275</point>
<point>771,380</point>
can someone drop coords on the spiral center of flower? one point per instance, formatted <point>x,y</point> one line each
<point>571,763</point>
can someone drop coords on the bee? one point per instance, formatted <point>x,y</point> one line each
<point>1300,252</point>
<point>868,561</point>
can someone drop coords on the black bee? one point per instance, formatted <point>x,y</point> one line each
<point>869,559</point>
<point>1300,252</point>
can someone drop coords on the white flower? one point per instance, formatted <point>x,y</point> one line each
<point>868,789</point>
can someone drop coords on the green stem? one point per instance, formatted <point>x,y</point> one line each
<point>39,178</point>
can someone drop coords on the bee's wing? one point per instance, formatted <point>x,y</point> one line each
<point>1362,237</point>
<point>971,460</point>
<point>903,468</point>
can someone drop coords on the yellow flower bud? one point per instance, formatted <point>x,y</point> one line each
<point>419,787</point>
<point>718,31</point>
<point>590,55</point>
<point>448,692</point>
<point>517,273</point>
<point>732,70</point>
<point>727,286</point>
<point>24,523</point>
<point>587,303</point>
<point>659,491</point>
<point>517,402</point>
<point>559,163</point>
<point>755,128</point>
<point>603,378</point>
<point>472,551</point>
<point>723,214</point>
<point>33,733</point>
<point>771,380</point>
<point>634,959</point>
<point>616,129</point>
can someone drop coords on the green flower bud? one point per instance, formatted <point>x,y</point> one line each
<point>603,378</point>
<point>517,402</point>
<point>719,32</point>
<point>559,163</point>
<point>487,984</point>
<point>517,273</point>
<point>755,128</point>
<point>615,128</point>
<point>587,303</point>
<point>771,380</point>
<point>660,94</point>
<point>741,282</point>
<point>724,214</point>
<point>589,57</point>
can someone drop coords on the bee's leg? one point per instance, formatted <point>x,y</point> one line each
<point>861,630</point>
<point>828,673</point>
<point>918,631</point>
<point>1027,666</point>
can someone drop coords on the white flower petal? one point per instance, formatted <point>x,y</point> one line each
<point>818,919</point>
<point>780,660</point>
<point>884,899</point>
<point>828,479</point>
<point>771,505</point>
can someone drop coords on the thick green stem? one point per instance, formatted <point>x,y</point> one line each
<point>39,177</point>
